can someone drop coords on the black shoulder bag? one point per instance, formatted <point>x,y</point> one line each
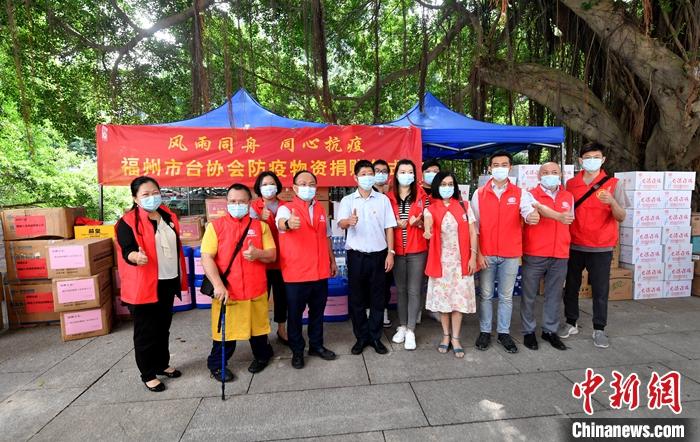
<point>590,192</point>
<point>207,286</point>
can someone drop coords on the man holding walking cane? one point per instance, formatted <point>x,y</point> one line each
<point>242,245</point>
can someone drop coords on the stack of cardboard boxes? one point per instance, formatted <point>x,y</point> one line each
<point>525,175</point>
<point>695,232</point>
<point>655,235</point>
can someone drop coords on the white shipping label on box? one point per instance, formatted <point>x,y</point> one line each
<point>644,236</point>
<point>648,289</point>
<point>644,218</point>
<point>641,254</point>
<point>646,199</point>
<point>675,235</point>
<point>641,180</point>
<point>646,271</point>
<point>677,289</point>
<point>679,181</point>
<point>677,199</point>
<point>676,217</point>
<point>678,271</point>
<point>463,191</point>
<point>678,252</point>
<point>568,172</point>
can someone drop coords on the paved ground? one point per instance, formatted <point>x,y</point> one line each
<point>90,389</point>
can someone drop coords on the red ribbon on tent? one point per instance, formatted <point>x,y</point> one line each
<point>218,157</point>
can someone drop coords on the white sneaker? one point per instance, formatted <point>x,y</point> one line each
<point>400,335</point>
<point>387,321</point>
<point>568,330</point>
<point>420,313</point>
<point>410,343</point>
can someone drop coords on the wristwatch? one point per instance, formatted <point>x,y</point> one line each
<point>393,252</point>
<point>286,224</point>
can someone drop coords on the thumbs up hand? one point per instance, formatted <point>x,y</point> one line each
<point>352,221</point>
<point>294,221</point>
<point>534,216</point>
<point>265,214</point>
<point>251,253</point>
<point>140,259</point>
<point>566,217</point>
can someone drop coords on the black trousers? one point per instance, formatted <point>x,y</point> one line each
<point>299,295</point>
<point>598,266</point>
<point>387,291</point>
<point>152,330</point>
<point>262,351</point>
<point>367,280</point>
<point>279,294</point>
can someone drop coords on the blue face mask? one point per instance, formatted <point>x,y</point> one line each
<point>306,193</point>
<point>550,181</point>
<point>366,182</point>
<point>237,210</point>
<point>405,179</point>
<point>499,173</point>
<point>381,178</point>
<point>428,177</point>
<point>268,191</point>
<point>446,192</point>
<point>592,164</point>
<point>150,203</point>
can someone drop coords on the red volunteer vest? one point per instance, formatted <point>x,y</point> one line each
<point>258,206</point>
<point>549,238</point>
<point>438,210</point>
<point>594,225</point>
<point>304,252</point>
<point>139,284</point>
<point>247,280</point>
<point>415,243</point>
<point>500,224</point>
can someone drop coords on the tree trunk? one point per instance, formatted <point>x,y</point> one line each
<point>321,59</point>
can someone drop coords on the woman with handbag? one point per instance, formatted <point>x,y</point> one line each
<point>235,252</point>
<point>152,272</point>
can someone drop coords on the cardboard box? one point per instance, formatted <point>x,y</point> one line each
<point>615,256</point>
<point>676,217</point>
<point>677,289</point>
<point>644,218</point>
<point>81,293</point>
<point>642,236</point>
<point>641,254</point>
<point>621,273</point>
<point>638,180</point>
<point>191,228</point>
<point>103,231</point>
<point>620,289</point>
<point>695,287</point>
<point>39,223</point>
<point>586,291</point>
<point>695,241</point>
<point>120,310</point>
<point>645,199</point>
<point>80,324</point>
<point>678,253</point>
<point>27,260</point>
<point>695,223</point>
<point>678,271</point>
<point>679,181</point>
<point>677,199</point>
<point>215,208</point>
<point>645,272</point>
<point>80,257</point>
<point>696,265</point>
<point>648,289</point>
<point>675,235</point>
<point>30,302</point>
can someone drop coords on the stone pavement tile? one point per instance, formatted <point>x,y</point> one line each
<point>684,343</point>
<point>345,371</point>
<point>495,398</point>
<point>690,390</point>
<point>306,413</point>
<point>11,382</point>
<point>153,421</point>
<point>618,307</point>
<point>623,350</point>
<point>689,369</point>
<point>690,410</point>
<point>26,412</point>
<point>428,364</point>
<point>673,305</point>
<point>375,436</point>
<point>86,365</point>
<point>122,383</point>
<point>534,429</point>
<point>35,349</point>
<point>429,333</point>
<point>631,324</point>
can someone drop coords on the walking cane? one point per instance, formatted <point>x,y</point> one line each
<point>222,329</point>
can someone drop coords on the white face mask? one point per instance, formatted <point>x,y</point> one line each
<point>405,179</point>
<point>499,173</point>
<point>268,191</point>
<point>306,193</point>
<point>550,181</point>
<point>592,164</point>
<point>381,178</point>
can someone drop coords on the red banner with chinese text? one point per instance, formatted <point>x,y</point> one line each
<point>218,157</point>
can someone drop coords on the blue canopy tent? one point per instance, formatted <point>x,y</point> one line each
<point>451,135</point>
<point>242,111</point>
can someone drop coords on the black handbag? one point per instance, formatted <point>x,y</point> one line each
<point>207,287</point>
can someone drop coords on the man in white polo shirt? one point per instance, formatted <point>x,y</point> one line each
<point>369,220</point>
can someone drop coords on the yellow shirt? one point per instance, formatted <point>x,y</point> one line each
<point>210,243</point>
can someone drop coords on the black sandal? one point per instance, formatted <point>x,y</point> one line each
<point>158,388</point>
<point>173,374</point>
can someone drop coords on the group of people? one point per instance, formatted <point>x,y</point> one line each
<point>420,234</point>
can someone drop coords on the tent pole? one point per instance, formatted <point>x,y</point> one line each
<point>562,161</point>
<point>101,203</point>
